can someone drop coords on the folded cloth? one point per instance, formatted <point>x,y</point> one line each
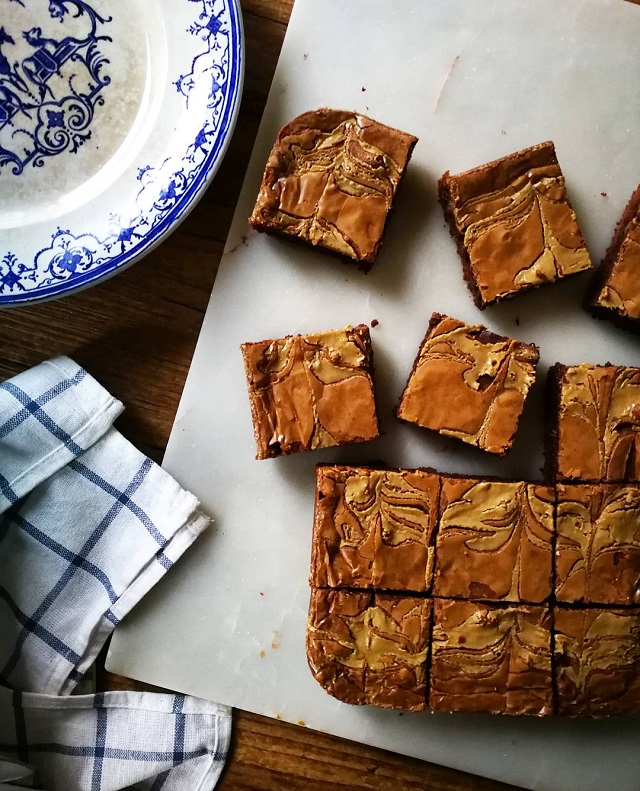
<point>83,546</point>
<point>115,740</point>
<point>88,525</point>
<point>78,552</point>
<point>49,415</point>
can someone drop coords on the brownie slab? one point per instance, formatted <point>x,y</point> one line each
<point>374,528</point>
<point>469,383</point>
<point>597,661</point>
<point>311,391</point>
<point>616,289</point>
<point>494,541</point>
<point>598,544</point>
<point>330,181</point>
<point>489,658</point>
<point>513,224</point>
<point>366,648</point>
<point>595,423</point>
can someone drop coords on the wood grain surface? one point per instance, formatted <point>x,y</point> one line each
<point>136,334</point>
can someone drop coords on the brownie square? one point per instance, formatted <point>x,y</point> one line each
<point>597,661</point>
<point>311,391</point>
<point>469,383</point>
<point>494,541</point>
<point>598,544</point>
<point>594,423</point>
<point>615,293</point>
<point>370,648</point>
<point>374,528</point>
<point>330,181</point>
<point>513,223</point>
<point>490,658</point>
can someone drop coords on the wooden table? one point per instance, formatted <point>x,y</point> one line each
<point>136,334</point>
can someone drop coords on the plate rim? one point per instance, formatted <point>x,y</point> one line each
<point>183,207</point>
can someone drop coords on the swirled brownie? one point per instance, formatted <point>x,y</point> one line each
<point>616,290</point>
<point>594,432</point>
<point>598,544</point>
<point>491,658</point>
<point>469,383</point>
<point>330,181</point>
<point>374,528</point>
<point>494,540</point>
<point>513,224</point>
<point>370,648</point>
<point>597,661</point>
<point>311,391</point>
<point>488,634</point>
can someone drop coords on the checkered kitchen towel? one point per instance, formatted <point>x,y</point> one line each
<point>48,416</point>
<point>113,741</point>
<point>87,526</point>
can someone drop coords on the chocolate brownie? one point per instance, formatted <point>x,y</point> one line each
<point>598,543</point>
<point>615,293</point>
<point>374,528</point>
<point>494,541</point>
<point>330,181</point>
<point>597,661</point>
<point>490,658</point>
<point>513,224</point>
<point>594,423</point>
<point>311,391</point>
<point>370,648</point>
<point>469,383</point>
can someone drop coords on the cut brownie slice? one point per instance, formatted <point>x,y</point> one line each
<point>495,659</point>
<point>597,661</point>
<point>374,528</point>
<point>513,224</point>
<point>366,648</point>
<point>594,423</point>
<point>311,391</point>
<point>469,383</point>
<point>598,544</point>
<point>494,541</point>
<point>330,181</point>
<point>615,293</point>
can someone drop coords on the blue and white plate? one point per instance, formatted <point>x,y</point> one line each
<point>114,116</point>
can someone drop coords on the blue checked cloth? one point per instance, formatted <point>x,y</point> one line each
<point>112,741</point>
<point>88,525</point>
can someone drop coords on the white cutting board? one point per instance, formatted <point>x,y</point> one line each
<point>475,80</point>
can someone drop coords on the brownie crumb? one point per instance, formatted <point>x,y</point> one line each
<point>374,322</point>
